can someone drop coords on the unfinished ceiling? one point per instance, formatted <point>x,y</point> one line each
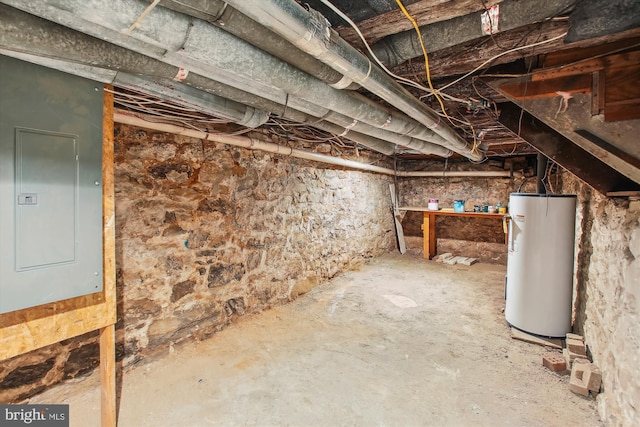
<point>501,78</point>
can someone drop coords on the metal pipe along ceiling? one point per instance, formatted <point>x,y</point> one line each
<point>186,43</point>
<point>222,15</point>
<point>310,32</point>
<point>67,50</point>
<point>183,41</point>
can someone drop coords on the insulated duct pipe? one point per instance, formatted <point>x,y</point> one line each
<point>398,48</point>
<point>67,50</point>
<point>311,32</point>
<point>187,42</point>
<point>255,144</point>
<point>186,96</point>
<point>205,102</point>
<point>220,14</point>
<point>363,134</point>
<point>212,104</point>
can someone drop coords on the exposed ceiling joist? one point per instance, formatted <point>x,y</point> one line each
<point>577,116</point>
<point>564,152</point>
<point>424,12</point>
<point>526,89</point>
<point>230,59</point>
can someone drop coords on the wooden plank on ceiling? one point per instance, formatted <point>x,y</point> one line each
<point>568,56</point>
<point>465,57</point>
<point>622,155</point>
<point>630,194</point>
<point>622,93</point>
<point>545,88</point>
<point>589,66</point>
<point>585,166</point>
<point>424,12</point>
<point>618,112</point>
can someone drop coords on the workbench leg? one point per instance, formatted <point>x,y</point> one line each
<point>429,230</point>
<point>505,228</point>
<point>108,376</point>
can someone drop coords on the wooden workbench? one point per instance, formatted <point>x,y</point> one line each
<point>429,224</point>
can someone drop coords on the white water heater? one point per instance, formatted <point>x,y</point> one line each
<point>539,285</point>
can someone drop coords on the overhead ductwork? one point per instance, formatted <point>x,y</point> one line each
<point>58,47</point>
<point>311,32</point>
<point>202,48</point>
<point>221,14</point>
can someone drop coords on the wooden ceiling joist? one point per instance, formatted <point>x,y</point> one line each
<point>587,167</point>
<point>424,12</point>
<point>571,54</point>
<point>585,66</point>
<point>549,87</point>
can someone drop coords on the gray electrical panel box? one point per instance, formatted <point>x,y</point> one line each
<point>50,185</point>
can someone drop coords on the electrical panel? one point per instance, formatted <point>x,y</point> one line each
<point>50,185</point>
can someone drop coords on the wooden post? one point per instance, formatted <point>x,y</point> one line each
<point>107,333</point>
<point>108,376</point>
<point>429,230</point>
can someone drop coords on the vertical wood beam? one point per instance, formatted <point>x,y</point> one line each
<point>597,93</point>
<point>108,376</point>
<point>429,230</point>
<point>107,333</point>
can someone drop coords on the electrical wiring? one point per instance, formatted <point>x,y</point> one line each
<point>515,49</point>
<point>292,131</point>
<point>415,84</point>
<point>464,124</point>
<point>492,102</point>
<point>161,109</point>
<point>147,100</point>
<point>373,55</point>
<point>303,133</point>
<point>546,179</point>
<point>155,110</point>
<point>447,97</point>
<point>426,55</point>
<point>164,112</point>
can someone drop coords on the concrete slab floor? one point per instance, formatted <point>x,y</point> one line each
<point>401,342</point>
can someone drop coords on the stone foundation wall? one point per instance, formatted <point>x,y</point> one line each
<point>206,233</point>
<point>608,296</point>
<point>478,238</point>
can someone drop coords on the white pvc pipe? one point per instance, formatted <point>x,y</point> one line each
<point>447,174</point>
<point>255,144</point>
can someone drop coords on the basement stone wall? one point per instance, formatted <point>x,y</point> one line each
<point>607,306</point>
<point>206,233</point>
<point>478,238</point>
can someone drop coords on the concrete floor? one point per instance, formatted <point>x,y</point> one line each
<point>402,342</point>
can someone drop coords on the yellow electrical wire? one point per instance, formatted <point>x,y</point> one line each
<point>426,57</point>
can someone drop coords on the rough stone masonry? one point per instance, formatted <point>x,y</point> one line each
<point>206,233</point>
<point>607,300</point>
